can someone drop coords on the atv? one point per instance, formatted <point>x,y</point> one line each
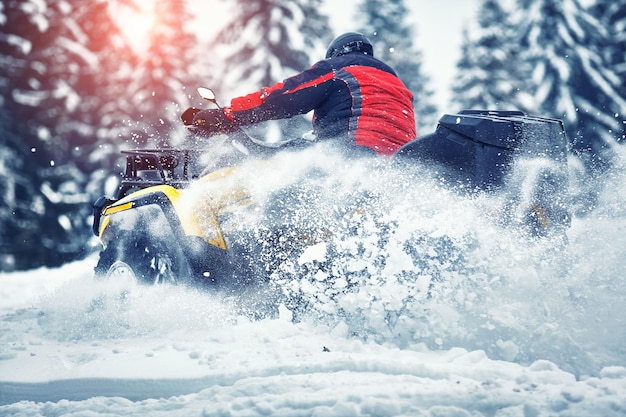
<point>153,232</point>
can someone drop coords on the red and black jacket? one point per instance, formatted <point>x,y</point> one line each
<point>353,93</point>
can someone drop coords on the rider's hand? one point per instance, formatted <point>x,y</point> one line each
<point>188,115</point>
<point>213,120</point>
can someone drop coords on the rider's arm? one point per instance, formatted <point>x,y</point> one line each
<point>295,95</point>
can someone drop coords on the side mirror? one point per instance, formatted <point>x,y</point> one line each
<point>207,94</point>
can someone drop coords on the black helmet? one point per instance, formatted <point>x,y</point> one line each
<point>349,42</point>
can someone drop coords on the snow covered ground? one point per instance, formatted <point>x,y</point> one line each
<point>477,324</point>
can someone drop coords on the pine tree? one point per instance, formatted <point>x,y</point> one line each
<point>612,16</point>
<point>35,95</point>
<point>561,39</point>
<point>468,86</point>
<point>267,41</point>
<point>394,43</point>
<point>66,71</point>
<point>491,73</point>
<point>157,91</point>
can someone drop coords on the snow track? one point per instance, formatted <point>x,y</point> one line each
<point>282,368</point>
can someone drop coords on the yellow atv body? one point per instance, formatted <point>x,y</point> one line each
<point>160,230</point>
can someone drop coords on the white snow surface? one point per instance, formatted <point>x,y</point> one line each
<point>493,324</point>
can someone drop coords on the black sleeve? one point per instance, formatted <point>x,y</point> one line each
<point>298,94</point>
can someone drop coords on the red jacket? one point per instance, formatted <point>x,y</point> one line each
<point>355,97</point>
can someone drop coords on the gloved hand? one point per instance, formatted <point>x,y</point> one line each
<point>188,115</point>
<point>213,120</point>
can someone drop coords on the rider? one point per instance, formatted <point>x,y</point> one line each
<point>353,95</point>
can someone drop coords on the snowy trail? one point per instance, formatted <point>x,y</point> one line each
<point>282,368</point>
<point>455,379</point>
<point>246,368</point>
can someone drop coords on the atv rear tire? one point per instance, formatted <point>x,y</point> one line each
<point>148,262</point>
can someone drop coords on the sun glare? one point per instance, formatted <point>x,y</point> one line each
<point>136,21</point>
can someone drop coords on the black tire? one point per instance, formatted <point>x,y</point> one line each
<point>149,262</point>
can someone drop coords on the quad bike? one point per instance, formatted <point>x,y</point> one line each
<point>153,232</point>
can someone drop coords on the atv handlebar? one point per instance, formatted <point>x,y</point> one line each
<point>240,140</point>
